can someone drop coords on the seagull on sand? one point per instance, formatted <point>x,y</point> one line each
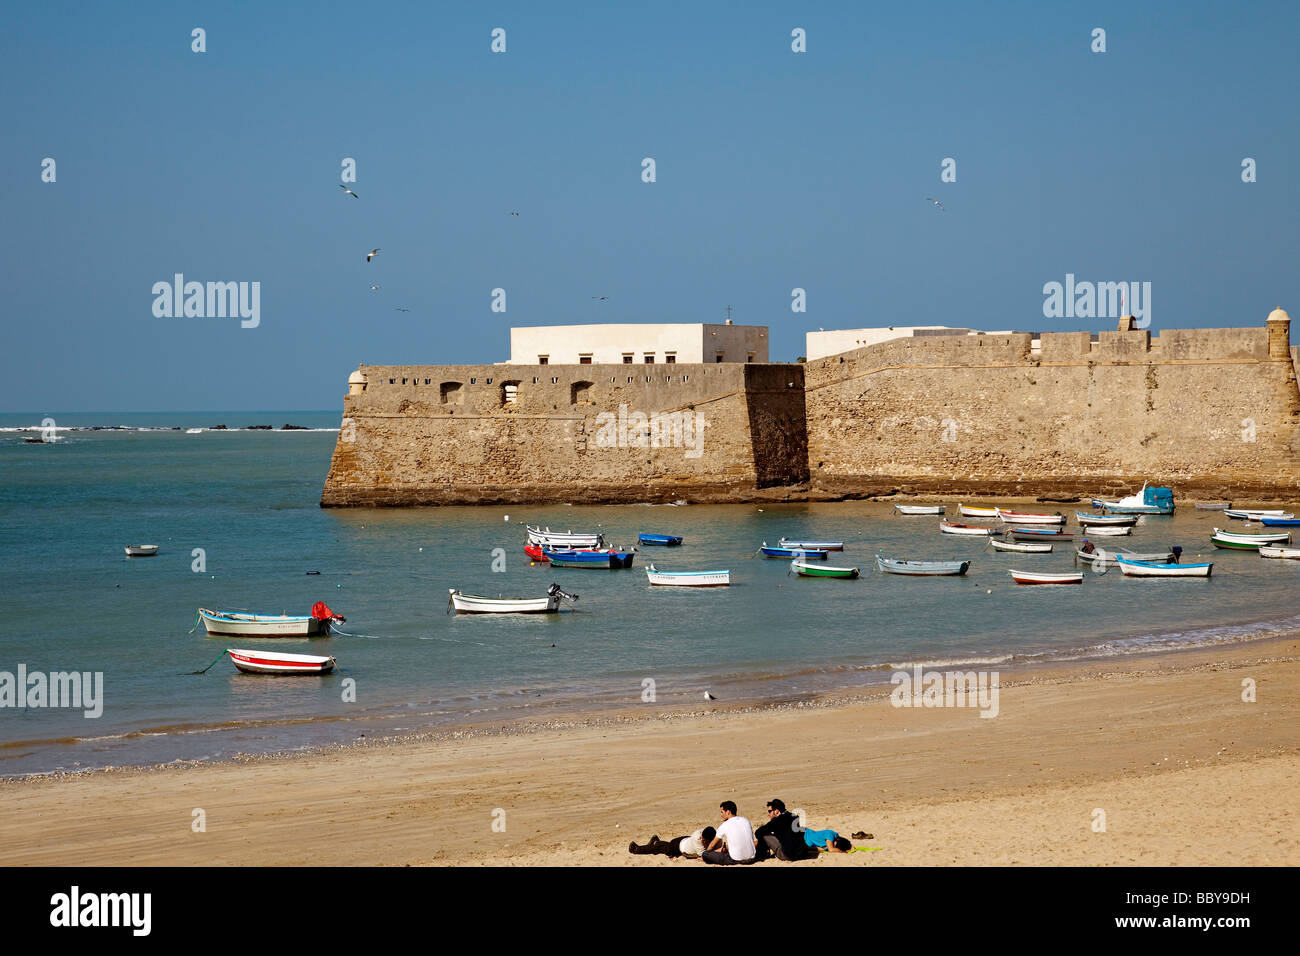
<point>348,191</point>
<point>935,201</point>
<point>371,254</point>
<point>708,696</point>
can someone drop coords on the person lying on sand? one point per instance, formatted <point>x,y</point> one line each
<point>827,840</point>
<point>691,847</point>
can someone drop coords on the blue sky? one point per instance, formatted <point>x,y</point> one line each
<point>775,170</point>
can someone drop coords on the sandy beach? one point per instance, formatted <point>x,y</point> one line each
<point>1185,772</point>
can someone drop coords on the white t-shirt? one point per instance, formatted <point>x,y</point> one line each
<point>692,845</point>
<point>739,834</point>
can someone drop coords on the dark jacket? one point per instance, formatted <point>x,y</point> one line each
<point>793,845</point>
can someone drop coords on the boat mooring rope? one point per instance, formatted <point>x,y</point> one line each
<point>205,670</point>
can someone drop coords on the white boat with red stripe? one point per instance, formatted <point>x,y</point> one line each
<point>268,662</point>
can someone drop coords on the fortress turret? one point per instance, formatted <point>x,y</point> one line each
<point>357,382</point>
<point>1279,335</point>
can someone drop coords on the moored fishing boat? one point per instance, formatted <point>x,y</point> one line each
<point>564,539</point>
<point>1039,534</point>
<point>1020,547</point>
<point>919,509</point>
<point>266,662</point>
<point>666,540</point>
<point>1030,517</point>
<point>536,552</point>
<point>611,559</point>
<point>814,554</point>
<point>1039,577</point>
<point>1107,531</point>
<point>141,550</point>
<point>973,511</point>
<point>689,579</point>
<point>804,570</point>
<point>1280,522</point>
<point>950,527</point>
<point>1244,514</point>
<point>1272,551</point>
<point>474,604</point>
<point>247,624</point>
<point>1114,521</point>
<point>1213,505</point>
<point>921,568</point>
<point>1157,569</point>
<point>1247,542</point>
<point>812,545</point>
<point>1101,558</point>
<point>1148,501</point>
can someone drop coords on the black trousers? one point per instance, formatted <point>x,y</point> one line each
<point>669,848</point>
<point>722,858</point>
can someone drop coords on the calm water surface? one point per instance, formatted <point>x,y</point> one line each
<point>71,600</point>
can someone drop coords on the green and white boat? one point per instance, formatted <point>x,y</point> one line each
<point>1247,542</point>
<point>821,571</point>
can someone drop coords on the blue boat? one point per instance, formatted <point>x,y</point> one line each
<point>1280,522</point>
<point>590,559</point>
<point>1148,501</point>
<point>811,554</point>
<point>667,540</point>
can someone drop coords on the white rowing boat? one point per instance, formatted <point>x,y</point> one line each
<point>474,604</point>
<point>1029,517</point>
<point>949,527</point>
<point>1269,551</point>
<point>1106,531</point>
<point>564,539</point>
<point>141,550</point>
<point>244,624</point>
<point>689,579</point>
<point>1020,547</point>
<point>919,509</point>
<point>1042,577</point>
<point>1101,558</point>
<point>970,511</point>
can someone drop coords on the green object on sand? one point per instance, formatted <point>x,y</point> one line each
<point>864,849</point>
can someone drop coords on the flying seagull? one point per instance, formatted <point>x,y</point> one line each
<point>374,288</point>
<point>400,309</point>
<point>371,254</point>
<point>602,298</point>
<point>936,202</point>
<point>348,191</point>
<point>514,214</point>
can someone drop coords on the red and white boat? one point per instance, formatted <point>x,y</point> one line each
<point>1029,517</point>
<point>267,662</point>
<point>1038,577</point>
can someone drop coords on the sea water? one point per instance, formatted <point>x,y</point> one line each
<point>236,516</point>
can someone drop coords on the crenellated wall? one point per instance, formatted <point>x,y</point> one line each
<point>1205,411</point>
<point>607,433</point>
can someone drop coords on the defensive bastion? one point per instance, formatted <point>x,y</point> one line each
<point>1209,412</point>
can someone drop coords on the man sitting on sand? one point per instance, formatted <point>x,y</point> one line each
<point>778,836</point>
<point>691,847</point>
<point>826,840</point>
<point>734,842</point>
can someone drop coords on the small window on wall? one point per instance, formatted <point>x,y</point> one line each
<point>671,358</point>
<point>717,357</point>
<point>650,359</point>
<point>584,359</point>
<point>627,358</point>
<point>543,359</point>
<point>750,357</point>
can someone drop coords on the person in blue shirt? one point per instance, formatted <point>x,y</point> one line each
<point>827,840</point>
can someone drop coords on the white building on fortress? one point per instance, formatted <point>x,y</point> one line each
<point>625,344</point>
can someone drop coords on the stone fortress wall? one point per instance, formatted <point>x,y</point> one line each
<point>480,434</point>
<point>1211,412</point>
